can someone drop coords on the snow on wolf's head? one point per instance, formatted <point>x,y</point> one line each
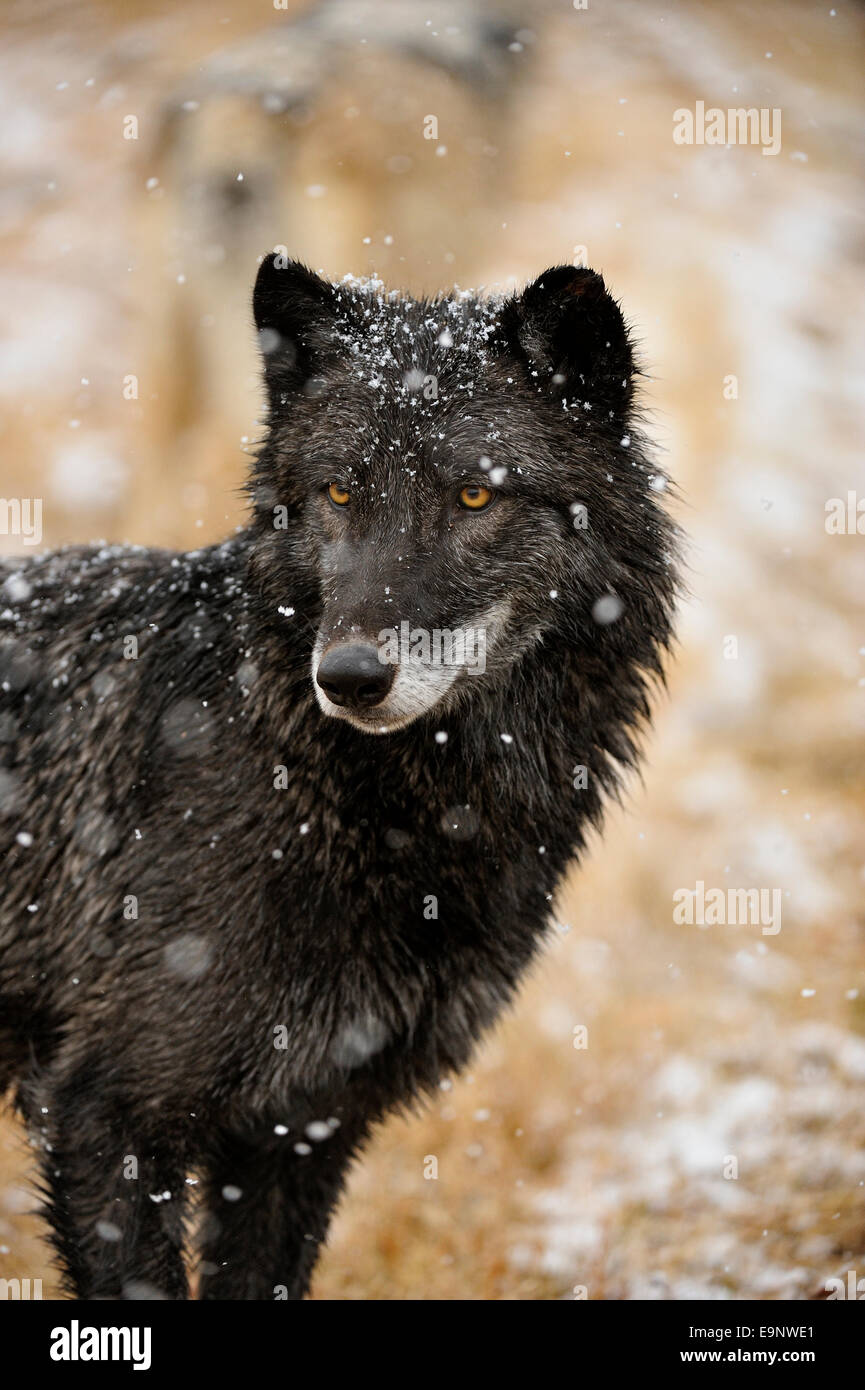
<point>460,480</point>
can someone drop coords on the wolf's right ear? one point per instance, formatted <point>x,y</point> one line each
<point>294,313</point>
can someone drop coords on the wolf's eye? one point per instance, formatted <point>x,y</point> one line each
<point>338,495</point>
<point>474,497</point>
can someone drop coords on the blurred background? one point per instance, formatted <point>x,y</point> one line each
<point>153,153</point>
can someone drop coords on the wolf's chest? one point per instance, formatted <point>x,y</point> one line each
<point>384,997</point>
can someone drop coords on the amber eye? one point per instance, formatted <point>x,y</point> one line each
<point>474,497</point>
<point>338,495</point>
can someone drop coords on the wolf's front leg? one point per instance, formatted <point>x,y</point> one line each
<point>268,1210</point>
<point>114,1201</point>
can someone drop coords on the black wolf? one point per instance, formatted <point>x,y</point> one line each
<point>260,885</point>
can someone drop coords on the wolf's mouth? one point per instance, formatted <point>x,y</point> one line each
<point>352,683</point>
<point>384,685</point>
<point>379,723</point>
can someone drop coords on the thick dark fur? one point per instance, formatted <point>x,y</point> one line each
<point>295,914</point>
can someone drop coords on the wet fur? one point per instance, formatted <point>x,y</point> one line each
<point>295,913</point>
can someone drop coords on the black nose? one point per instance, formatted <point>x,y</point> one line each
<point>351,674</point>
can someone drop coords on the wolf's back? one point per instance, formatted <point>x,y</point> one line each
<point>96,643</point>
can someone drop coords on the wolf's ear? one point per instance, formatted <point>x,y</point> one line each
<point>571,334</point>
<point>294,313</point>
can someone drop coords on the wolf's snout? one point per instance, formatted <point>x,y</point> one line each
<point>352,675</point>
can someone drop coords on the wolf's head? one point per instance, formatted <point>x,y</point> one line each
<point>461,479</point>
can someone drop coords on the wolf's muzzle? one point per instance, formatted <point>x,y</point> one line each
<point>352,675</point>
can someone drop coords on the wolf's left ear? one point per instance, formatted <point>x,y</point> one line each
<point>571,334</point>
<point>294,313</point>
